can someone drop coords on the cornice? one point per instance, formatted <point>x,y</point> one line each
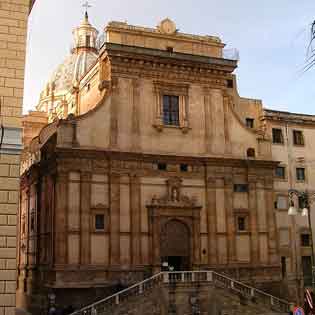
<point>147,157</point>
<point>154,62</point>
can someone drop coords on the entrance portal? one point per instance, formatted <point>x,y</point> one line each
<point>175,246</point>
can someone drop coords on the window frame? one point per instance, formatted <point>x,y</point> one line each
<point>99,210</point>
<point>249,122</point>
<point>238,190</point>
<point>181,91</point>
<point>298,137</point>
<point>171,116</point>
<point>284,172</point>
<point>308,243</point>
<point>95,221</point>
<point>304,174</point>
<point>274,136</point>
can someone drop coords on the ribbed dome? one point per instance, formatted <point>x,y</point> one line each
<point>72,69</point>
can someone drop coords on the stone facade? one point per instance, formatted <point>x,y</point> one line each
<point>13,24</point>
<point>115,187</point>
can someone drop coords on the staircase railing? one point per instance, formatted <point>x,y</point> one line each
<point>218,280</point>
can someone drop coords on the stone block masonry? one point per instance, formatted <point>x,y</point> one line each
<point>13,25</point>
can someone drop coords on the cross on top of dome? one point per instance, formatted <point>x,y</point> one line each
<point>86,5</point>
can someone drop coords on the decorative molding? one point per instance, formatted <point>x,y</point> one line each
<point>174,196</point>
<point>12,141</point>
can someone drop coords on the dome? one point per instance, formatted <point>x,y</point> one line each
<point>74,67</point>
<point>83,56</point>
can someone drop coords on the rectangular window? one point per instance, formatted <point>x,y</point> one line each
<point>282,202</point>
<point>280,172</point>
<point>300,173</point>
<point>162,166</point>
<point>171,110</point>
<point>240,188</point>
<point>249,122</point>
<point>307,270</point>
<point>298,138</point>
<point>230,84</point>
<point>99,222</point>
<point>283,267</point>
<point>241,223</point>
<point>184,168</point>
<point>277,136</point>
<point>305,240</point>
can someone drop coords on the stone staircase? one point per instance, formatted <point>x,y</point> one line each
<point>188,292</point>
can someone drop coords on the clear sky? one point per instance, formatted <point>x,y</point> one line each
<point>271,36</point>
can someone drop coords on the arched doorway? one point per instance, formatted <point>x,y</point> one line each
<point>175,245</point>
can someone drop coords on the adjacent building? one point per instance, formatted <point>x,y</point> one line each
<point>141,154</point>
<point>13,25</point>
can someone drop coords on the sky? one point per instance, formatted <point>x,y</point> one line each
<point>271,36</point>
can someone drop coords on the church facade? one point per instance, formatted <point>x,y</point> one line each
<point>147,159</point>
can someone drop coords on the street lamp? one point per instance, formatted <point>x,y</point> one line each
<point>305,200</point>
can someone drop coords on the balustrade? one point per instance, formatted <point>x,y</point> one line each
<point>183,277</point>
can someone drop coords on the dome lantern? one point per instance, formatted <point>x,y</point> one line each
<point>85,35</point>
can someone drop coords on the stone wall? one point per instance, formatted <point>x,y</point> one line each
<point>13,25</point>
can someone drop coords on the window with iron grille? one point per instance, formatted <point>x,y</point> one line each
<point>171,110</point>
<point>298,138</point>
<point>277,136</point>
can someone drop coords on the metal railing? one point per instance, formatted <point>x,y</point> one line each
<point>218,280</point>
<point>231,54</point>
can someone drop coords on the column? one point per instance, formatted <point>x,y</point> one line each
<point>253,226</point>
<point>135,203</point>
<point>211,217</point>
<point>114,219</point>
<point>85,236</point>
<point>60,216</point>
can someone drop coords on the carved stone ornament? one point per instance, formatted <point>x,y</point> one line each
<point>174,196</point>
<point>167,26</point>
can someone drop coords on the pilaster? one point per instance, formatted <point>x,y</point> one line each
<point>85,238</point>
<point>228,202</point>
<point>114,219</point>
<point>208,120</point>
<point>227,123</point>
<point>135,115</point>
<point>271,220</point>
<point>60,244</point>
<point>114,114</point>
<point>252,203</point>
<point>135,203</point>
<point>211,217</point>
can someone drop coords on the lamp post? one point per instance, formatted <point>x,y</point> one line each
<point>305,201</point>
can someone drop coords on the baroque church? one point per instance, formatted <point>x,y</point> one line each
<point>142,156</point>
